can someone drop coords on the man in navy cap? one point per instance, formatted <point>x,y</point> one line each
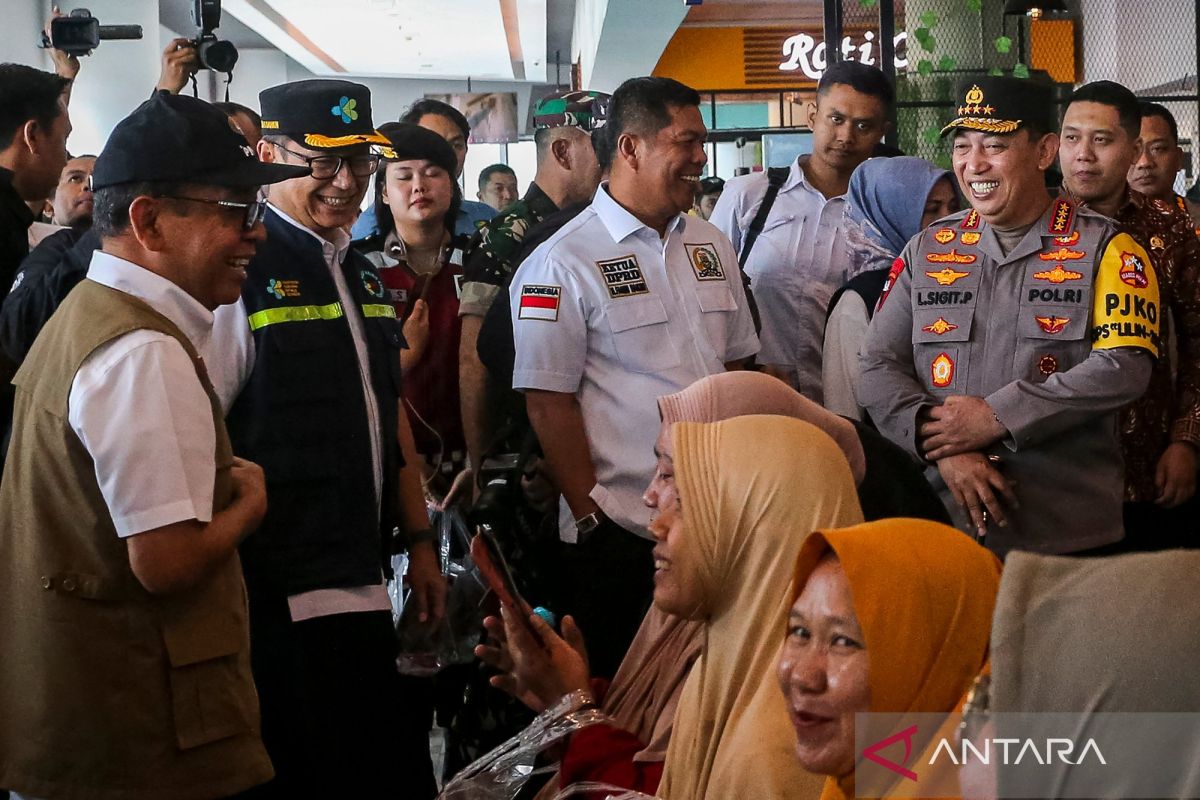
<point>310,372</point>
<point>127,666</point>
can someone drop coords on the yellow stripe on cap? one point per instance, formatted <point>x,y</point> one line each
<point>985,125</point>
<point>271,316</point>
<point>330,142</point>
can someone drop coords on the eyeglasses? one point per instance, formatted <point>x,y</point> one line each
<point>326,167</point>
<point>254,212</point>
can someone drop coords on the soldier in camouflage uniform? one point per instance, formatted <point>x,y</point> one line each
<point>567,173</point>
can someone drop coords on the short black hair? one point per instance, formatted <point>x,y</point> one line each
<point>643,105</point>
<point>1149,109</point>
<point>110,205</point>
<point>1111,93</point>
<point>430,106</point>
<point>27,93</point>
<point>602,144</point>
<point>489,171</point>
<point>230,108</point>
<point>861,78</point>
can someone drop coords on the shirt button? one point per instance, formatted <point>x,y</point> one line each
<point>46,582</point>
<point>68,584</point>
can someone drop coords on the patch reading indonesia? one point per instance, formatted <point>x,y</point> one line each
<point>623,277</point>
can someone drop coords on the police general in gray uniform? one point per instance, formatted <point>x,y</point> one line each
<point>1009,335</point>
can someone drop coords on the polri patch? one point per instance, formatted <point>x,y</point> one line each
<point>1133,270</point>
<point>942,371</point>
<point>623,277</point>
<point>706,264</point>
<point>539,302</point>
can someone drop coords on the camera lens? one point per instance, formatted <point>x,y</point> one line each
<point>218,55</point>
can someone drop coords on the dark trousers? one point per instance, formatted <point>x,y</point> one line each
<point>611,580</point>
<point>333,717</point>
<point>1149,528</point>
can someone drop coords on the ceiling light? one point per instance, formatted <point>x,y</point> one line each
<point>1036,8</point>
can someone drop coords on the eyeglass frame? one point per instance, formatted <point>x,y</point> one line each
<point>255,210</point>
<point>341,161</point>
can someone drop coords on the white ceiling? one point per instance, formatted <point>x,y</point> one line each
<point>405,38</point>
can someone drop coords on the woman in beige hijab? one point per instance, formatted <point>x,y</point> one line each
<point>749,491</point>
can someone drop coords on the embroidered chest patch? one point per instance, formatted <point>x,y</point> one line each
<point>281,289</point>
<point>706,264</point>
<point>623,277</point>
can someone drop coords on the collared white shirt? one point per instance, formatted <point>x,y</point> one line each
<point>797,263</point>
<point>141,412</point>
<point>230,367</point>
<point>607,310</point>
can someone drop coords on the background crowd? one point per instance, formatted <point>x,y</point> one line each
<point>763,453</point>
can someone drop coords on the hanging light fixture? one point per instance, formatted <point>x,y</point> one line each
<point>1036,9</point>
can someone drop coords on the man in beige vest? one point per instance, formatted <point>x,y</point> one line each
<point>126,670</point>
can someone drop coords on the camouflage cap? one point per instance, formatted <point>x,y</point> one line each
<point>585,110</point>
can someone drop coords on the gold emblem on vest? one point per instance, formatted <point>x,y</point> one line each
<point>940,326</point>
<point>947,276</point>
<point>942,371</point>
<point>953,257</point>
<point>1057,275</point>
<point>1062,254</point>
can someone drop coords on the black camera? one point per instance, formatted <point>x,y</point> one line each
<point>79,33</point>
<point>212,53</point>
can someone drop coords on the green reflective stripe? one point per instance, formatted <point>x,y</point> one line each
<point>269,316</point>
<point>379,310</point>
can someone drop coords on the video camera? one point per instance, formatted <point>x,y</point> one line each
<point>213,53</point>
<point>79,33</point>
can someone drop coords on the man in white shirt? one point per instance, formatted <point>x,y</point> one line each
<point>798,259</point>
<point>125,622</point>
<point>630,300</point>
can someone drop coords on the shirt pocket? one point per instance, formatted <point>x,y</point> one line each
<point>641,334</point>
<point>717,307</point>
<point>1050,339</point>
<point>941,344</point>
<point>773,259</point>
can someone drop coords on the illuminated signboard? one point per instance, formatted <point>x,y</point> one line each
<point>807,54</point>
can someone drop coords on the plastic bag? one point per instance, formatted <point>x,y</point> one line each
<point>591,791</point>
<point>426,649</point>
<point>500,774</point>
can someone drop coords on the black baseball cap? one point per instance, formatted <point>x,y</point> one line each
<point>321,114</point>
<point>1001,104</point>
<point>177,138</point>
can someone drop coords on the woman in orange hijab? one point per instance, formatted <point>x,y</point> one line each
<point>890,616</point>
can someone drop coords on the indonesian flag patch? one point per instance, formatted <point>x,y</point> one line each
<point>539,302</point>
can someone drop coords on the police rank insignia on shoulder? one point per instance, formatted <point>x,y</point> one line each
<point>623,276</point>
<point>280,289</point>
<point>539,302</point>
<point>371,283</point>
<point>1060,221</point>
<point>706,264</point>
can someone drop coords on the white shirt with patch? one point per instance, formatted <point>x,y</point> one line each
<point>797,263</point>
<point>137,405</point>
<point>610,312</point>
